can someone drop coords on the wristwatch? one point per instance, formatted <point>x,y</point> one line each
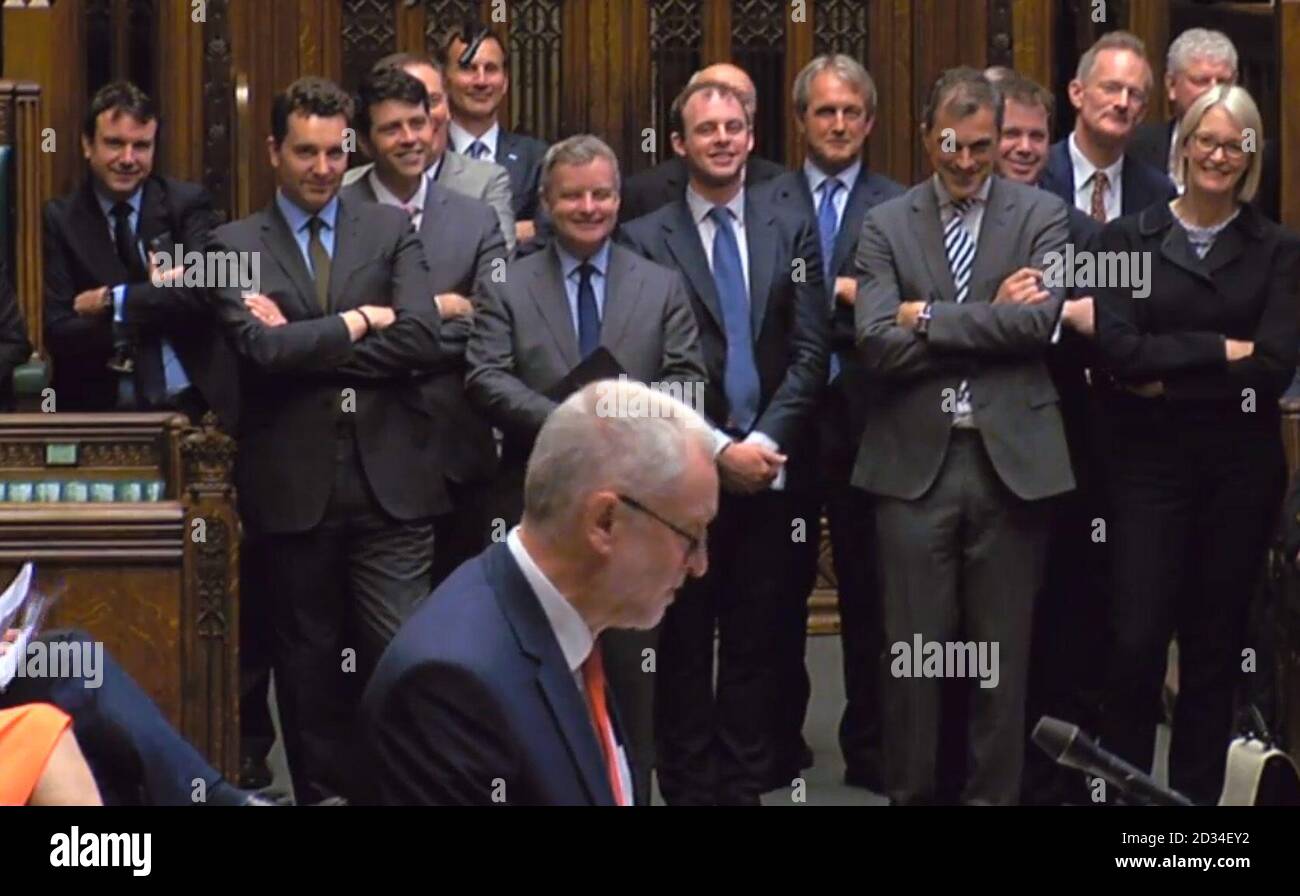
<point>923,321</point>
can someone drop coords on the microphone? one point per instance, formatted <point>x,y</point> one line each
<point>1069,746</point>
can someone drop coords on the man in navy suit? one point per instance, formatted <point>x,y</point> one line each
<point>1091,169</point>
<point>835,107</point>
<point>754,272</point>
<point>476,88</point>
<point>493,692</point>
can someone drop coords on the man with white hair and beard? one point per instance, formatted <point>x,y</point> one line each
<point>493,692</point>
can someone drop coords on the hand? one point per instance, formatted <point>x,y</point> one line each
<point>525,231</point>
<point>747,468</point>
<point>908,312</point>
<point>356,324</point>
<point>1236,349</point>
<point>451,304</point>
<point>8,638</point>
<point>92,302</point>
<point>1153,389</point>
<point>168,277</point>
<point>265,310</point>
<point>381,317</point>
<point>1024,287</point>
<point>846,290</point>
<point>1079,316</point>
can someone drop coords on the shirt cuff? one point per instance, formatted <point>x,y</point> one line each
<point>720,440</point>
<point>119,304</point>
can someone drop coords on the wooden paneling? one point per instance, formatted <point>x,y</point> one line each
<point>894,141</point>
<point>798,53</point>
<point>412,20</point>
<point>180,93</point>
<point>1033,23</point>
<point>716,22</point>
<point>1149,20</point>
<point>29,35</point>
<point>1288,136</point>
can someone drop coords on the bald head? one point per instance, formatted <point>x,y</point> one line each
<point>734,77</point>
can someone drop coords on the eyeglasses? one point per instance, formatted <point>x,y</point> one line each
<point>694,544</point>
<point>1207,144</point>
<point>1115,89</point>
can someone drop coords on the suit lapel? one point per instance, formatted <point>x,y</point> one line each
<point>1175,247</point>
<point>683,241</point>
<point>93,241</point>
<point>434,199</point>
<point>622,291</point>
<point>552,300</point>
<point>1228,246</point>
<point>282,246</point>
<point>348,254</point>
<point>863,195</point>
<point>760,226</point>
<point>555,680</point>
<point>154,224</point>
<point>929,236</point>
<point>991,248</point>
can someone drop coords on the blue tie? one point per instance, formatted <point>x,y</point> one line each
<point>477,149</point>
<point>741,375</point>
<point>828,227</point>
<point>588,315</point>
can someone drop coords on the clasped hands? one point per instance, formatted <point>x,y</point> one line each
<point>747,468</point>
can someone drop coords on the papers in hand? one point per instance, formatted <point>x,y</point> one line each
<point>24,608</point>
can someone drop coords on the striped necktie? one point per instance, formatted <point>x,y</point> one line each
<point>960,249</point>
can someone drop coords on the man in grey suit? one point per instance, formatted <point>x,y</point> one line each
<point>332,448</point>
<point>954,318</point>
<point>463,247</point>
<point>478,179</point>
<point>555,308</point>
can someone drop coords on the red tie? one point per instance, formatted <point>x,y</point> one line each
<point>1100,184</point>
<point>593,677</point>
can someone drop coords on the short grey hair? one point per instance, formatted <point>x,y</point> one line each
<point>1240,106</point>
<point>1114,40</point>
<point>613,434</point>
<point>580,149</point>
<point>1200,43</point>
<point>846,68</point>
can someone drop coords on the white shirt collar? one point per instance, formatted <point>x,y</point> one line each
<point>570,630</point>
<point>700,207</point>
<point>461,139</point>
<point>941,192</point>
<point>387,197</point>
<point>816,177</point>
<point>1084,169</point>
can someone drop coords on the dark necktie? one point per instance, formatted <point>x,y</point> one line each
<point>477,150</point>
<point>740,378</point>
<point>588,314</point>
<point>828,228</point>
<point>149,380</point>
<point>320,263</point>
<point>959,246</point>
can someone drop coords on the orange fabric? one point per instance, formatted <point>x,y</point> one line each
<point>593,676</point>
<point>28,735</point>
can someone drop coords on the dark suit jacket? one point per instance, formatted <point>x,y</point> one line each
<point>999,349</point>
<point>80,255</point>
<point>869,190</point>
<point>1245,288</point>
<point>461,240</point>
<point>523,342</point>
<point>1141,184</point>
<point>14,347</point>
<point>294,376</point>
<point>521,156</point>
<point>652,189</point>
<point>1151,144</point>
<point>474,695</point>
<point>790,324</point>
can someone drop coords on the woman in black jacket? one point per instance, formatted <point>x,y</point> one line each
<point>1196,358</point>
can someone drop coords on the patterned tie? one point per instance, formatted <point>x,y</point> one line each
<point>588,314</point>
<point>147,388</point>
<point>960,249</point>
<point>593,679</point>
<point>320,263</point>
<point>477,150</point>
<point>827,228</point>
<point>740,377</point>
<point>1100,186</point>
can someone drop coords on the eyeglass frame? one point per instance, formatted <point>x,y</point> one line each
<point>694,543</point>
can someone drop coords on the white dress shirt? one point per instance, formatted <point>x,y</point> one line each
<point>1083,182</point>
<point>388,197</point>
<point>576,641</point>
<point>461,139</point>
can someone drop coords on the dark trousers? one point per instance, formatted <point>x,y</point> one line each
<point>1194,504</point>
<point>850,520</point>
<point>960,564</point>
<point>462,533</point>
<point>714,740</point>
<point>134,754</point>
<point>336,595</point>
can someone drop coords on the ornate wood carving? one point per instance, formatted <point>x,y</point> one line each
<point>536,32</point>
<point>442,15</point>
<point>369,33</point>
<point>842,26</point>
<point>218,67</point>
<point>676,35</point>
<point>758,45</point>
<point>1001,48</point>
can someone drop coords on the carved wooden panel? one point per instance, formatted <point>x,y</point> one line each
<point>99,44</point>
<point>675,37</point>
<point>1001,47</point>
<point>217,112</point>
<point>141,39</point>
<point>758,29</point>
<point>369,34</point>
<point>442,15</point>
<point>535,67</point>
<point>841,26</point>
